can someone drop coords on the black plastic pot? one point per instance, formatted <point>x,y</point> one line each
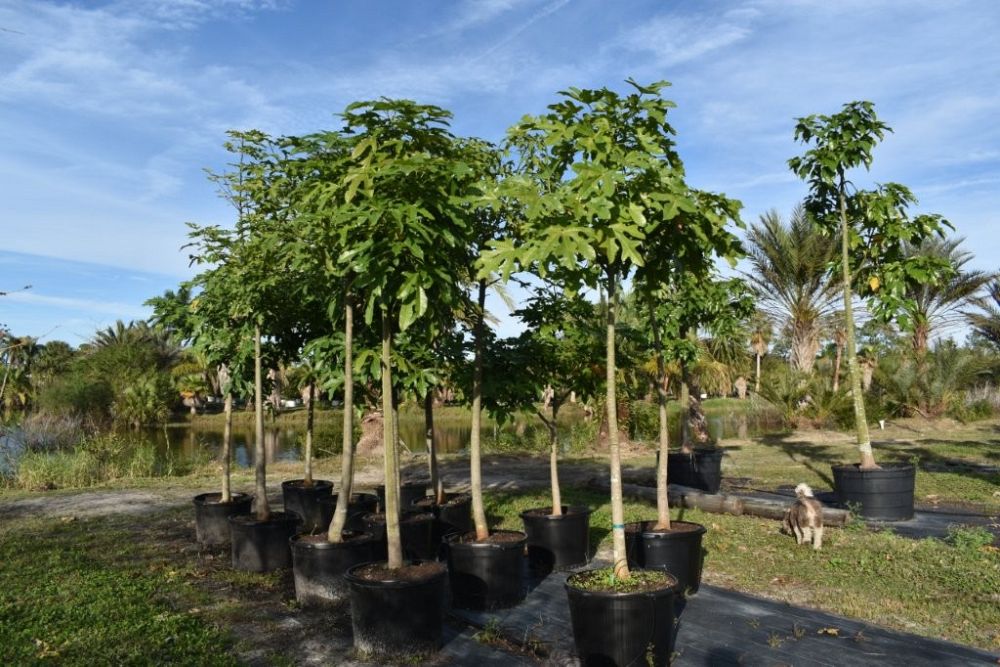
<point>262,546</point>
<point>486,575</point>
<point>622,628</point>
<point>885,494</point>
<point>454,516</point>
<point>361,504</point>
<point>416,532</point>
<point>211,518</point>
<point>397,616</point>
<point>304,501</point>
<point>557,542</point>
<point>319,566</point>
<point>702,469</point>
<point>678,552</point>
<point>409,492</point>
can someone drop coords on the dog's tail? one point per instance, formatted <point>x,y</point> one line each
<point>803,491</point>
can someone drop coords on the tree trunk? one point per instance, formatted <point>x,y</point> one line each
<point>552,426</point>
<point>335,532</point>
<point>395,546</point>
<point>227,448</point>
<point>836,368</point>
<point>662,498</point>
<point>308,481</point>
<point>756,384</point>
<point>263,510</point>
<point>437,485</point>
<point>617,508</point>
<point>805,345</point>
<point>860,419</point>
<point>476,470</point>
<point>685,403</point>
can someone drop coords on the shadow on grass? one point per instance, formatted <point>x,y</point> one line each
<point>929,460</point>
<point>805,453</point>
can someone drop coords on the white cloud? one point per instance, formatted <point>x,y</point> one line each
<point>125,311</point>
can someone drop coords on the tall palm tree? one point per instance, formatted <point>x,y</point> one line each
<point>790,278</point>
<point>760,329</point>
<point>939,306</point>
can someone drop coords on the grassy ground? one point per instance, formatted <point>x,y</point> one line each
<point>927,587</point>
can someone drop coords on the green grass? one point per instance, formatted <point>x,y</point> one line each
<point>85,593</point>
<point>928,587</point>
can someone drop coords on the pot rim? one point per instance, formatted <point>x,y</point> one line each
<point>453,543</point>
<point>275,518</point>
<point>352,578</point>
<point>674,588</point>
<point>295,542</point>
<point>885,468</point>
<point>299,483</point>
<point>568,511</point>
<point>361,495</point>
<point>238,497</point>
<point>670,534</point>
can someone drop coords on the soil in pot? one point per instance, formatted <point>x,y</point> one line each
<point>211,517</point>
<point>702,469</point>
<point>622,623</point>
<point>557,541</point>
<point>678,551</point>
<point>262,546</point>
<point>305,501</point>
<point>399,611</point>
<point>361,504</point>
<point>486,574</point>
<point>319,565</point>
<point>409,492</point>
<point>884,494</point>
<point>453,516</point>
<point>416,532</point>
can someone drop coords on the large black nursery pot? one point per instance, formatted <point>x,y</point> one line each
<point>401,613</point>
<point>884,494</point>
<point>319,565</point>
<point>359,505</point>
<point>701,469</point>
<point>416,532</point>
<point>487,574</point>
<point>211,517</point>
<point>409,492</point>
<point>454,515</point>
<point>677,551</point>
<point>619,629</point>
<point>262,546</point>
<point>304,501</point>
<point>557,541</point>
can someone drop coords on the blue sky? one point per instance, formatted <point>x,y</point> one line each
<point>111,110</point>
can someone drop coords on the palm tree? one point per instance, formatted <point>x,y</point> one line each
<point>760,336</point>
<point>939,306</point>
<point>986,322</point>
<point>791,280</point>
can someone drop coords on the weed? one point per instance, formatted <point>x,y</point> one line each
<point>798,631</point>
<point>775,640</point>
<point>969,538</point>
<point>489,633</point>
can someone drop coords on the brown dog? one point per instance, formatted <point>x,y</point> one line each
<point>804,518</point>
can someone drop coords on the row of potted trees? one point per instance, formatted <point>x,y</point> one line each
<point>381,212</point>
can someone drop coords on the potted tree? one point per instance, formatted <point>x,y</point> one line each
<point>600,169</point>
<point>405,226</point>
<point>191,321</point>
<point>874,227</point>
<point>554,355</point>
<point>304,496</point>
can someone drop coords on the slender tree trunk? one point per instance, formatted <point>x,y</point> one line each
<point>227,448</point>
<point>756,384</point>
<point>335,531</point>
<point>432,461</point>
<point>553,426</point>
<point>836,367</point>
<point>617,507</point>
<point>389,443</point>
<point>476,469</point>
<point>860,419</point>
<point>662,497</point>
<point>263,510</point>
<point>685,404</point>
<point>308,481</point>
